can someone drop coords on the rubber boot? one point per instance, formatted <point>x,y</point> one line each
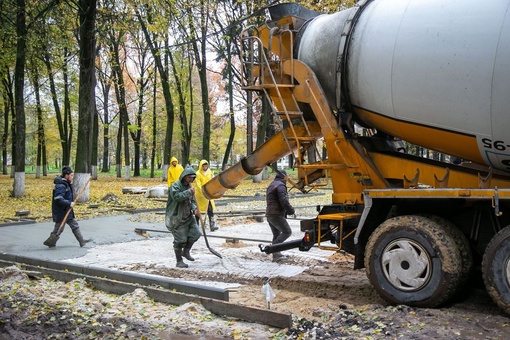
<point>178,257</point>
<point>52,240</point>
<point>277,257</point>
<point>213,226</point>
<point>54,236</point>
<point>79,237</point>
<point>186,251</point>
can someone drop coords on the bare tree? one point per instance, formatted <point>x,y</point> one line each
<point>64,122</point>
<point>41,140</point>
<point>116,37</point>
<point>144,75</point>
<point>8,97</point>
<point>198,40</point>
<point>105,82</point>
<point>185,130</point>
<point>152,38</point>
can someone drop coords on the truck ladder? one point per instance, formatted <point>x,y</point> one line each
<point>272,74</point>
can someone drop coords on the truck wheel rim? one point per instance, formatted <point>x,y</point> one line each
<point>407,265</point>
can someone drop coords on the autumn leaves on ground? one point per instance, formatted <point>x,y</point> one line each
<point>37,198</point>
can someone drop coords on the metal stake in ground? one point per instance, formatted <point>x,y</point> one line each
<point>202,223</point>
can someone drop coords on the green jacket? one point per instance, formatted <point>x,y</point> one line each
<point>181,203</point>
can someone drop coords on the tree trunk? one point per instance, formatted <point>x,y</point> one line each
<point>127,160</point>
<point>86,105</point>
<point>68,119</point>
<point>230,91</point>
<point>120,92</point>
<point>8,104</point>
<point>19,86</point>
<point>106,144</point>
<point>44,160</point>
<point>167,95</point>
<point>62,128</point>
<point>264,123</point>
<point>154,124</point>
<point>5,134</point>
<point>170,117</point>
<point>136,136</point>
<point>13,137</point>
<point>41,145</point>
<point>106,129</point>
<point>249,123</point>
<point>145,155</point>
<point>264,130</point>
<point>118,150</point>
<point>95,137</point>
<point>136,160</point>
<point>201,63</point>
<point>185,137</point>
<point>186,161</point>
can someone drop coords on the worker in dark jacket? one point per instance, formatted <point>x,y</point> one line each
<point>180,212</point>
<point>277,209</point>
<point>62,201</point>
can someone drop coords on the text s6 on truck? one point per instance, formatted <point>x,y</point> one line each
<point>433,73</point>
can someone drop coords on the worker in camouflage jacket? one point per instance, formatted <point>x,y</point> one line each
<point>181,209</point>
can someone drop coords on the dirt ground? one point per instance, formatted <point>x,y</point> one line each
<point>341,303</point>
<point>328,300</point>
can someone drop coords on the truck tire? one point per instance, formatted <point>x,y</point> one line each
<point>413,260</point>
<point>466,255</point>
<point>496,269</point>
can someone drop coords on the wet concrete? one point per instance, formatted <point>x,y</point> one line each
<point>115,245</point>
<point>27,239</point>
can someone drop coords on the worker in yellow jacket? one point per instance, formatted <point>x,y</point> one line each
<point>174,171</point>
<point>204,175</point>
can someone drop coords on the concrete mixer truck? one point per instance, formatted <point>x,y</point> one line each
<point>433,73</point>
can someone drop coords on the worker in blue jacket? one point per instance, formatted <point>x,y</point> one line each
<point>63,201</point>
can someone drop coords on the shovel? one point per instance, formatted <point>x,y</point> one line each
<point>202,223</point>
<point>52,240</point>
